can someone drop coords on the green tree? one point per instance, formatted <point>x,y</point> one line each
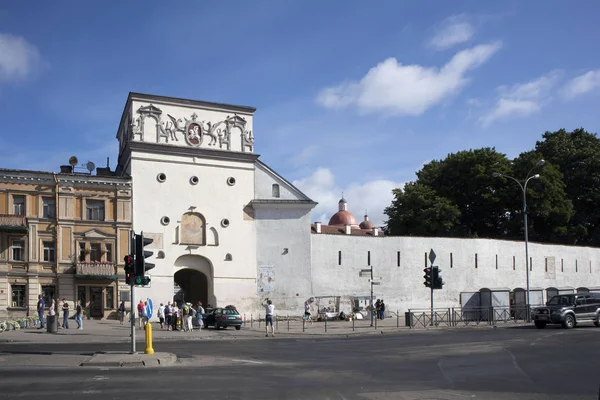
<point>577,156</point>
<point>419,211</point>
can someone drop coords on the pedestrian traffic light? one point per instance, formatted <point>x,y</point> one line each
<point>141,266</point>
<point>438,283</point>
<point>129,269</point>
<point>428,277</point>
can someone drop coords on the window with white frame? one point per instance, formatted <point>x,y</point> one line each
<point>275,190</point>
<point>48,207</point>
<point>95,210</point>
<point>18,250</point>
<point>19,205</point>
<point>18,295</point>
<point>96,252</point>
<point>109,252</point>
<point>49,251</point>
<point>48,294</point>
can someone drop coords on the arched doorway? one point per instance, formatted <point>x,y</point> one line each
<point>194,280</point>
<point>193,286</point>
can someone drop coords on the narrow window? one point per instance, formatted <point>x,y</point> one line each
<point>398,259</point>
<point>19,205</point>
<point>368,258</point>
<point>275,190</point>
<point>514,263</point>
<point>95,252</point>
<point>340,257</point>
<point>110,297</point>
<point>18,250</point>
<point>109,252</point>
<point>425,259</point>
<point>496,261</point>
<point>530,263</point>
<point>562,265</point>
<point>48,207</point>
<point>576,266</point>
<point>49,251</point>
<point>81,251</point>
<point>546,263</point>
<point>18,295</point>
<point>451,261</point>
<point>590,266</point>
<point>48,293</point>
<point>475,260</point>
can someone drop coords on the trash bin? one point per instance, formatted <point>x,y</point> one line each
<point>52,324</point>
<point>408,319</point>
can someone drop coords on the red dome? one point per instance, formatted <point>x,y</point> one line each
<point>367,225</point>
<point>343,218</point>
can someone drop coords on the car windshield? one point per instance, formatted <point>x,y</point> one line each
<point>230,311</point>
<point>562,300</point>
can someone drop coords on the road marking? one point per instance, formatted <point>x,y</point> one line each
<point>91,391</point>
<point>446,377</point>
<point>516,365</point>
<point>249,361</point>
<point>100,378</point>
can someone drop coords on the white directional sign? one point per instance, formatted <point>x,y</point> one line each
<point>364,273</point>
<point>431,256</point>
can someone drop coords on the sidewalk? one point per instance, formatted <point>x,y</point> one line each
<point>103,331</point>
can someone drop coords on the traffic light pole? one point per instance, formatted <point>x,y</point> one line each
<point>431,295</point>
<point>132,317</point>
<point>372,295</point>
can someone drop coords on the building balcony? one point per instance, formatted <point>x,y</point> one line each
<point>95,270</point>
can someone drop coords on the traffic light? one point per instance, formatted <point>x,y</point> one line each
<point>428,277</point>
<point>129,269</point>
<point>438,283</point>
<point>141,266</point>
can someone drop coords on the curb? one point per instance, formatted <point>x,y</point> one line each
<point>112,359</point>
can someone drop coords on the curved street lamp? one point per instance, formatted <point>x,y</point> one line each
<point>523,187</point>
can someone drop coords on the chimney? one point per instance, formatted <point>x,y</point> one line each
<point>318,227</point>
<point>375,231</point>
<point>348,229</point>
<point>66,169</point>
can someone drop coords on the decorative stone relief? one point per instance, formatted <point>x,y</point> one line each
<point>192,229</point>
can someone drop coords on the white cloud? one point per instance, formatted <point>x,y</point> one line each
<point>396,89</point>
<point>582,84</point>
<point>372,196</point>
<point>18,58</point>
<point>305,155</point>
<point>452,31</point>
<point>522,99</point>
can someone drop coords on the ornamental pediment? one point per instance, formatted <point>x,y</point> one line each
<point>95,234</point>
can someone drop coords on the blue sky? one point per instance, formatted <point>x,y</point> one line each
<point>352,96</point>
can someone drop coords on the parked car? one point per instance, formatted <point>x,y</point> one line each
<point>223,318</point>
<point>568,310</point>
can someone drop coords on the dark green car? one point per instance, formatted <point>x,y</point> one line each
<point>223,318</point>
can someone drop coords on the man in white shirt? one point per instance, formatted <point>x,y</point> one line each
<point>270,314</point>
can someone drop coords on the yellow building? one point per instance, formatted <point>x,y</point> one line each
<point>63,235</point>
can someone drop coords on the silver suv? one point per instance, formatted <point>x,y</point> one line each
<point>568,310</point>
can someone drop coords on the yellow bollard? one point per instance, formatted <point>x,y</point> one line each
<point>149,349</point>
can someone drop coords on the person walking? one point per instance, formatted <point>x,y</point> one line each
<point>65,310</point>
<point>79,315</point>
<point>382,310</point>
<point>140,313</point>
<point>40,309</point>
<point>160,313</point>
<point>269,315</point>
<point>200,315</point>
<point>122,312</point>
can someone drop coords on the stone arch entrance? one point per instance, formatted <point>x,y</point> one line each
<point>194,278</point>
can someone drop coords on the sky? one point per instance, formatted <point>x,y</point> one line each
<point>351,97</point>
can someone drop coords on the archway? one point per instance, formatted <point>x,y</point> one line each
<point>193,280</point>
<point>193,286</point>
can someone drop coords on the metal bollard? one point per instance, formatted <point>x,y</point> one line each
<point>397,319</point>
<point>303,324</point>
<point>259,321</point>
<point>376,321</point>
<point>149,349</point>
<point>244,322</point>
<point>326,323</point>
<point>251,321</point>
<point>353,323</point>
<point>288,321</point>
<point>276,323</point>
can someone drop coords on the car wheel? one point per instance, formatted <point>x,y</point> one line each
<point>237,328</point>
<point>569,322</point>
<point>597,321</point>
<point>540,324</point>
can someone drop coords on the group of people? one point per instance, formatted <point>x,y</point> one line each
<point>172,316</point>
<point>52,311</point>
<point>380,309</point>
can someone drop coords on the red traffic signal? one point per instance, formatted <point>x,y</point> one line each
<point>128,260</point>
<point>428,277</point>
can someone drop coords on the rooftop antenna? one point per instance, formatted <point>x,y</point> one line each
<point>90,166</point>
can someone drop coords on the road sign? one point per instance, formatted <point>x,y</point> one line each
<point>431,256</point>
<point>376,279</point>
<point>375,283</point>
<point>364,273</point>
<point>150,308</point>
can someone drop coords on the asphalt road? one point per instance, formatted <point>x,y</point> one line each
<point>504,363</point>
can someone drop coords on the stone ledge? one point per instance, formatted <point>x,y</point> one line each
<point>121,359</point>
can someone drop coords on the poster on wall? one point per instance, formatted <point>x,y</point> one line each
<point>266,278</point>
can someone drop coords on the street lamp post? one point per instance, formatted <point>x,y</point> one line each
<point>523,188</point>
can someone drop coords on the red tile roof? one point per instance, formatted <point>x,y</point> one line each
<point>340,230</point>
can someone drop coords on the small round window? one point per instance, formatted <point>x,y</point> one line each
<point>165,220</point>
<point>194,180</point>
<point>225,223</point>
<point>161,177</point>
<point>160,254</point>
<point>231,181</point>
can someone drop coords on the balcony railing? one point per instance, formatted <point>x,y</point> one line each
<point>100,269</point>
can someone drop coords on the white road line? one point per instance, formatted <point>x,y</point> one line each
<point>100,378</point>
<point>249,361</point>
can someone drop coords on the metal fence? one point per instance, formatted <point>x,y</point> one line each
<point>457,316</point>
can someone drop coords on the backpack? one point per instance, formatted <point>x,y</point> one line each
<point>192,312</point>
<point>186,310</point>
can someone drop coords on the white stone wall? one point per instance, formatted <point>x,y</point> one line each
<point>402,286</point>
<point>215,199</point>
<point>266,178</point>
<point>284,243</point>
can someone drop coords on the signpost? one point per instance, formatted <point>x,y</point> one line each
<point>373,280</point>
<point>132,287</point>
